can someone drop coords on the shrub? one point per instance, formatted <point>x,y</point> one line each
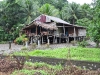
<point>21,39</point>
<point>83,43</point>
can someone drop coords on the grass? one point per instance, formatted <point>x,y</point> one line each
<point>77,53</point>
<point>41,64</point>
<point>28,72</point>
<point>30,69</point>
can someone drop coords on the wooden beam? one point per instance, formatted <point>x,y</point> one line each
<point>42,39</point>
<point>65,26</point>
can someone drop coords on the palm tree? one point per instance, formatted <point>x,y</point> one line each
<point>86,11</point>
<point>63,13</point>
<point>73,11</point>
<point>30,8</point>
<point>49,9</point>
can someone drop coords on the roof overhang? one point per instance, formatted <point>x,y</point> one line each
<point>50,26</point>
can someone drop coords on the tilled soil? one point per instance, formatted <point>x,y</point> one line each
<point>68,70</point>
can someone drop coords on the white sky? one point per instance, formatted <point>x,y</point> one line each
<point>80,1</point>
<point>77,1</point>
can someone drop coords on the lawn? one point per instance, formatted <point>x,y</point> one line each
<point>76,53</point>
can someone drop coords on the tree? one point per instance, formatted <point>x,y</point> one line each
<point>73,11</point>
<point>83,22</point>
<point>94,28</point>
<point>86,11</point>
<point>11,14</point>
<point>49,9</point>
<point>63,14</point>
<point>59,4</point>
<point>56,3</point>
<point>30,9</point>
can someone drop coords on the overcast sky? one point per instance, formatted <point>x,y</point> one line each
<point>80,1</point>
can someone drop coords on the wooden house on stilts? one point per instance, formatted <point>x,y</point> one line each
<point>49,29</point>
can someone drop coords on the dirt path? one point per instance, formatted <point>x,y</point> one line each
<point>4,48</point>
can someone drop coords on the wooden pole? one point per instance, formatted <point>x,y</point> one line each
<point>40,30</point>
<point>38,43</point>
<point>9,44</point>
<point>26,42</point>
<point>42,39</point>
<point>48,39</point>
<point>31,40</point>
<point>64,29</point>
<point>74,34</point>
<point>54,39</point>
<point>59,39</point>
<point>36,30</point>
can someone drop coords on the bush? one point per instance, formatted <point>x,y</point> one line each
<point>20,40</point>
<point>83,44</point>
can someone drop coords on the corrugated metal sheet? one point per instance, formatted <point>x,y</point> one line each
<point>58,20</point>
<point>55,19</point>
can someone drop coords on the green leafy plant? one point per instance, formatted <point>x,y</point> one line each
<point>82,44</point>
<point>20,39</point>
